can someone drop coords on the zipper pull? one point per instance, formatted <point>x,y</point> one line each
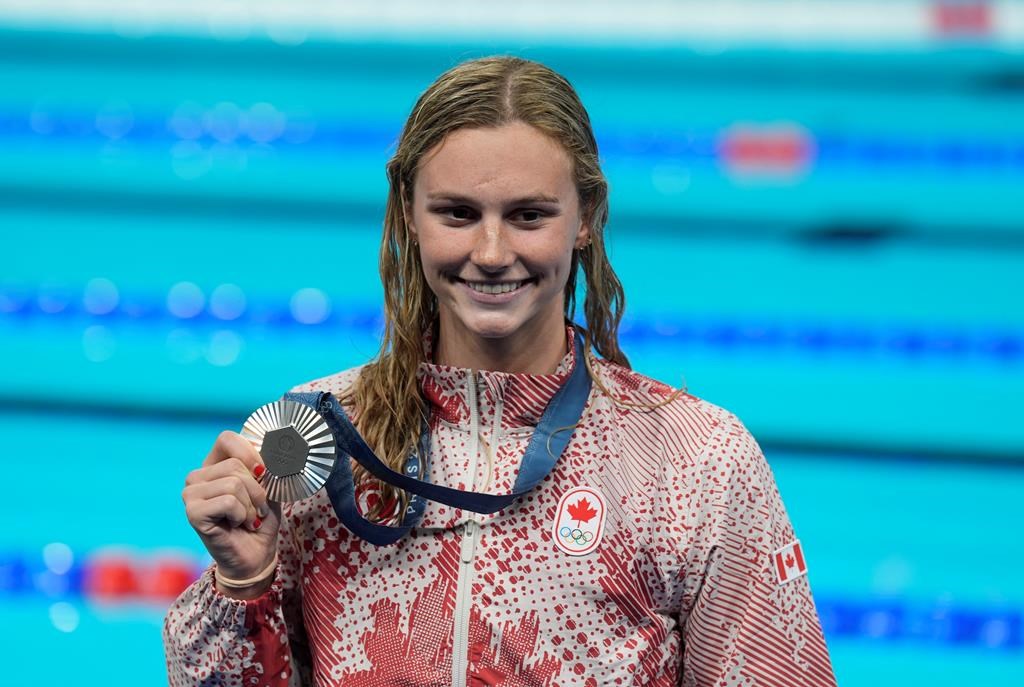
<point>469,537</point>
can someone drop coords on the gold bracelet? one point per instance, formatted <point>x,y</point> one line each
<point>242,584</point>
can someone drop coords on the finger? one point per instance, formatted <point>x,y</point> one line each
<point>206,515</point>
<point>242,487</point>
<point>223,468</point>
<point>233,445</point>
<point>232,467</point>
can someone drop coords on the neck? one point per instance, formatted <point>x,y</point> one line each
<point>535,355</point>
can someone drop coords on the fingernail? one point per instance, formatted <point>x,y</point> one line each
<point>258,471</point>
<point>264,510</point>
<point>256,523</point>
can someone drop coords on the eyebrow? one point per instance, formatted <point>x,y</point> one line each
<point>466,200</point>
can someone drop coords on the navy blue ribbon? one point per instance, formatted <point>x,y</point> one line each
<point>549,440</point>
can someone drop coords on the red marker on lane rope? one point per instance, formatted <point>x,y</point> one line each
<point>964,18</point>
<point>782,149</point>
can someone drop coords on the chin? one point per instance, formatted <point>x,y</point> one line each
<point>496,325</point>
<point>494,332</point>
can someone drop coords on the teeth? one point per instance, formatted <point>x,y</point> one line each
<point>494,288</point>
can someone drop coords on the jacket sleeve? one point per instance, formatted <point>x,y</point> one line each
<point>211,639</point>
<point>744,626</point>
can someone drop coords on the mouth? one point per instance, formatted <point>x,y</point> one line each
<point>494,288</point>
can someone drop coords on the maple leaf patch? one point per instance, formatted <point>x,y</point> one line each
<point>579,521</point>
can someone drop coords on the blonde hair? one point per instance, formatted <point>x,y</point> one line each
<point>480,93</point>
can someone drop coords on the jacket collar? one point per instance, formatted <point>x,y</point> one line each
<point>521,398</point>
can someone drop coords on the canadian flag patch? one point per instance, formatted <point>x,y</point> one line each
<point>579,521</point>
<point>789,562</point>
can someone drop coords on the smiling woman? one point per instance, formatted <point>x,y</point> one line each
<point>518,510</point>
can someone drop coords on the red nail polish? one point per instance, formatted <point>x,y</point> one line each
<point>258,471</point>
<point>256,523</point>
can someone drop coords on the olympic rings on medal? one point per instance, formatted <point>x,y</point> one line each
<point>578,536</point>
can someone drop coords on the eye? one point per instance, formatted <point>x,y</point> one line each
<point>458,213</point>
<point>529,216</point>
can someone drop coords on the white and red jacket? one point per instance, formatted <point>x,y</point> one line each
<point>680,584</point>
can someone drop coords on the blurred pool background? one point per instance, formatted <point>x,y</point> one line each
<point>817,211</point>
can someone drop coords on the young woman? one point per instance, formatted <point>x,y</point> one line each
<point>655,551</point>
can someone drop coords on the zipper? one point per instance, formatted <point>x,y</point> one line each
<point>492,444</point>
<point>463,603</point>
<point>467,551</point>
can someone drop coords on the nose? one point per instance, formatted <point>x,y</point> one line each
<point>491,251</point>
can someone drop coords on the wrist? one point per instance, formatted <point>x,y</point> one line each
<point>249,593</point>
<point>248,588</point>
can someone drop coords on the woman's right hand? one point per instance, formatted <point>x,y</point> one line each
<point>229,511</point>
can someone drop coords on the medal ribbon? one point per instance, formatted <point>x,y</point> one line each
<point>549,439</point>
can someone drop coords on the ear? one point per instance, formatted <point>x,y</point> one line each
<point>582,236</point>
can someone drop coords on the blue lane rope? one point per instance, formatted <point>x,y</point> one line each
<point>24,577</point>
<point>894,342</point>
<point>870,153</point>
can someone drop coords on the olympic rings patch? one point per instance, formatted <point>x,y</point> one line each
<point>579,521</point>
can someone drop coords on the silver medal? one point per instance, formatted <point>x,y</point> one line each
<point>297,448</point>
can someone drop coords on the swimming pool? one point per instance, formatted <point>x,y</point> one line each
<point>825,241</point>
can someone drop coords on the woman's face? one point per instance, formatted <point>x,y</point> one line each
<point>497,216</point>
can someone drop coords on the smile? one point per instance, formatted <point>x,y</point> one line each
<point>492,288</point>
<point>494,291</point>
